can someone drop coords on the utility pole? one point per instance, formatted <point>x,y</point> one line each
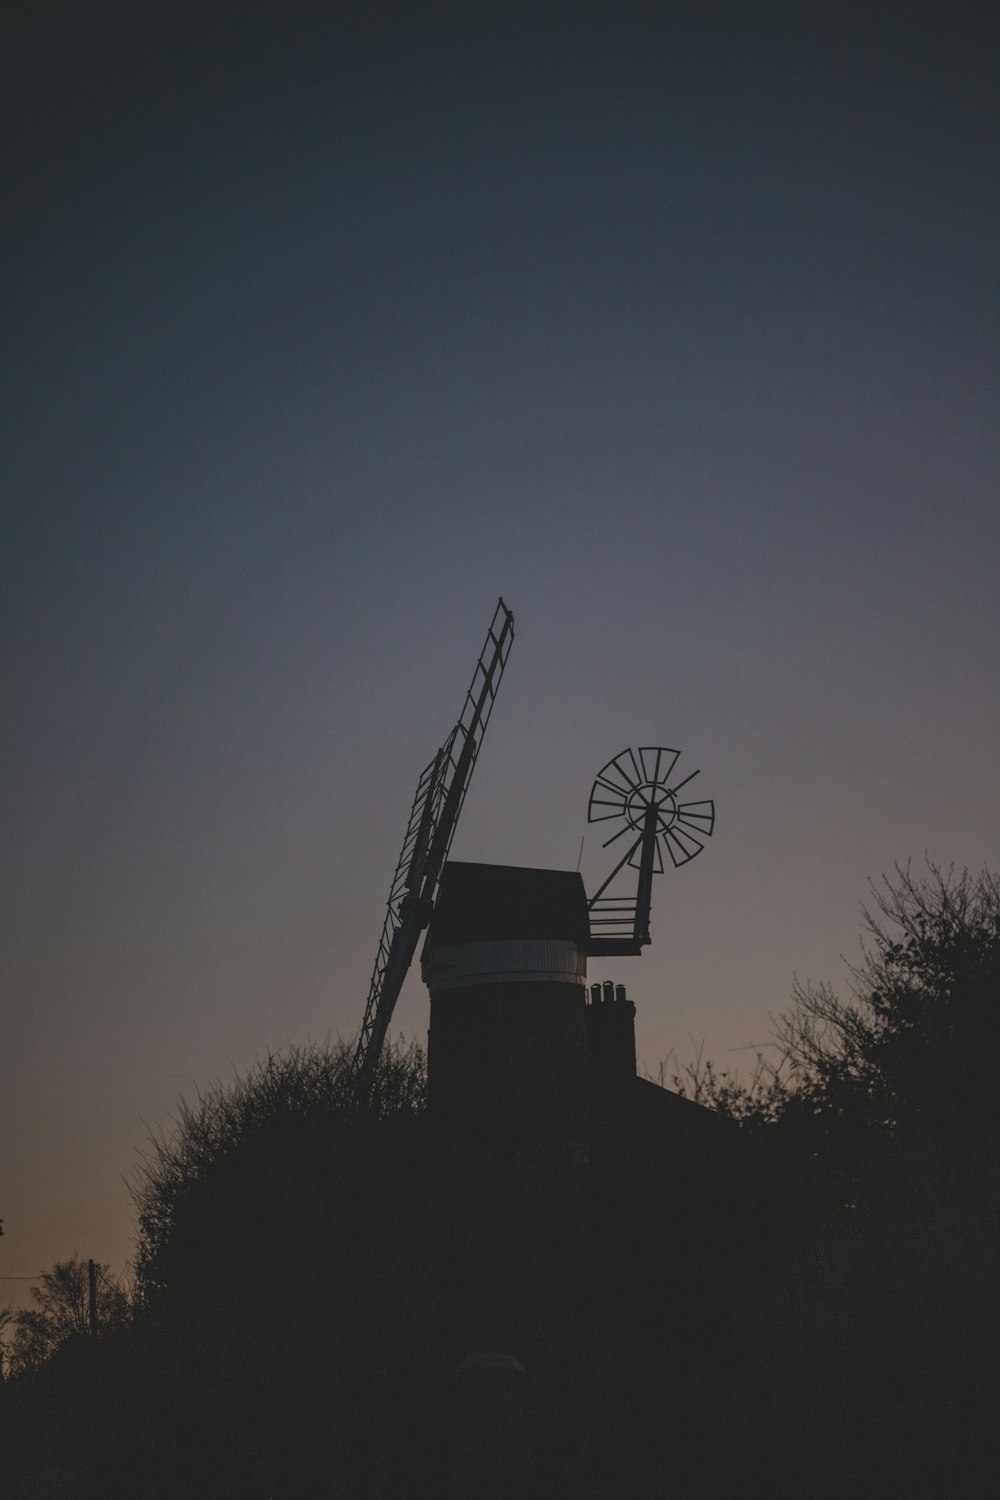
<point>92,1288</point>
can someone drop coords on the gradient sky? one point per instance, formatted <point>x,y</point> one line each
<point>677,325</point>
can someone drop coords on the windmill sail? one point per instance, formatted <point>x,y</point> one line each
<point>431,827</point>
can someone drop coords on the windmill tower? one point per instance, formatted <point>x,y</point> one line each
<point>505,962</point>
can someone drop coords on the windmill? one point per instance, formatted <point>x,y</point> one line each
<point>638,790</point>
<point>437,803</point>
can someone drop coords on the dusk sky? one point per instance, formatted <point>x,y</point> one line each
<point>677,325</point>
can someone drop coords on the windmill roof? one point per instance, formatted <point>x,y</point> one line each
<point>487,903</point>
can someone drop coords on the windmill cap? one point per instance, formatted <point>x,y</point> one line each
<point>489,903</point>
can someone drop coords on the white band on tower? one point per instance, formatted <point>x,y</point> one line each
<point>451,966</point>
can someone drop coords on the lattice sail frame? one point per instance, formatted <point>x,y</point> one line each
<point>430,829</point>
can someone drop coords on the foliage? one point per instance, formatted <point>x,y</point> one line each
<point>61,1312</point>
<point>759,1099</point>
<point>910,1052</point>
<point>284,1247</point>
<point>286,1266</point>
<point>914,1046</point>
<point>302,1091</point>
<point>872,1199</point>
